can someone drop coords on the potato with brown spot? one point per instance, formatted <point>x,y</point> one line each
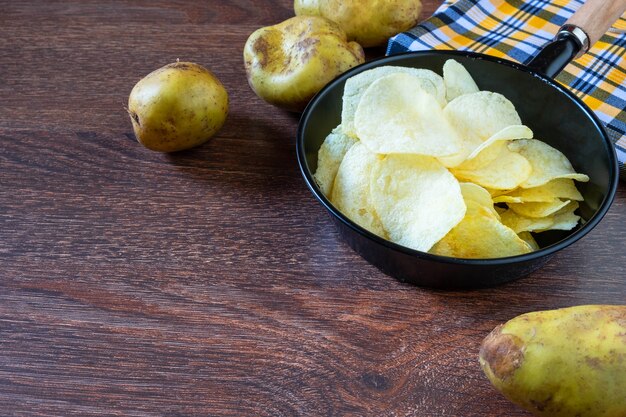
<point>176,107</point>
<point>561,363</point>
<point>287,64</point>
<point>368,22</point>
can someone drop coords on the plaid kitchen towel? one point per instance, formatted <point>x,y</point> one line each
<point>517,29</point>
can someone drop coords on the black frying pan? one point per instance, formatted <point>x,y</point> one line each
<point>553,113</point>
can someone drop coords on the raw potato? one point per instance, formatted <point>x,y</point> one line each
<point>396,115</point>
<point>329,158</point>
<point>561,363</point>
<point>287,64</point>
<point>369,22</point>
<point>358,84</point>
<point>351,191</point>
<point>176,107</point>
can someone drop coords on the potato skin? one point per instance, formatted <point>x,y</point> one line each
<point>561,363</point>
<point>368,22</point>
<point>287,64</point>
<point>176,107</point>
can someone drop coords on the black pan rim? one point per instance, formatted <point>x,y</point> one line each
<point>543,252</point>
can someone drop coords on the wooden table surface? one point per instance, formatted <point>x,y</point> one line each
<point>211,282</point>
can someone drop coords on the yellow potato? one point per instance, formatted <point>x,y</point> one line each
<point>396,115</point>
<point>417,199</point>
<point>351,190</point>
<point>288,63</point>
<point>329,158</point>
<point>176,107</point>
<point>369,22</point>
<point>561,363</point>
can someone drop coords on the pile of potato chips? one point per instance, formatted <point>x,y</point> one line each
<point>434,164</point>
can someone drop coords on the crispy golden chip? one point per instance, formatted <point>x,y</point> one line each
<point>547,163</point>
<point>329,158</point>
<point>489,150</point>
<point>351,190</point>
<point>537,210</point>
<point>457,80</point>
<point>473,193</point>
<point>496,193</point>
<point>565,219</point>
<point>563,188</point>
<point>512,132</point>
<point>520,223</point>
<point>481,115</point>
<point>477,117</point>
<point>356,86</point>
<point>480,235</point>
<point>505,198</point>
<point>507,171</point>
<point>417,199</point>
<point>528,238</point>
<point>396,115</point>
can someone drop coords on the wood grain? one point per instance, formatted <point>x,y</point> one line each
<point>210,282</point>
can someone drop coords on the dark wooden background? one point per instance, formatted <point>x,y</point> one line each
<point>210,282</point>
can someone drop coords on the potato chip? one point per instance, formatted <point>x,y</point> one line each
<point>547,163</point>
<point>477,117</point>
<point>508,199</point>
<point>417,199</point>
<point>329,157</point>
<point>489,150</point>
<point>484,158</point>
<point>507,171</point>
<point>473,193</point>
<point>396,115</point>
<point>356,86</point>
<point>563,188</point>
<point>480,115</point>
<point>520,223</point>
<point>565,219</point>
<point>508,133</point>
<point>528,238</point>
<point>495,193</point>
<point>538,209</point>
<point>351,190</point>
<point>457,80</point>
<point>480,235</point>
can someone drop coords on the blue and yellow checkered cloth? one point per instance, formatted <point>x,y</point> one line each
<point>517,29</point>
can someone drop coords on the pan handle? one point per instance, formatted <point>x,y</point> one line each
<point>577,35</point>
